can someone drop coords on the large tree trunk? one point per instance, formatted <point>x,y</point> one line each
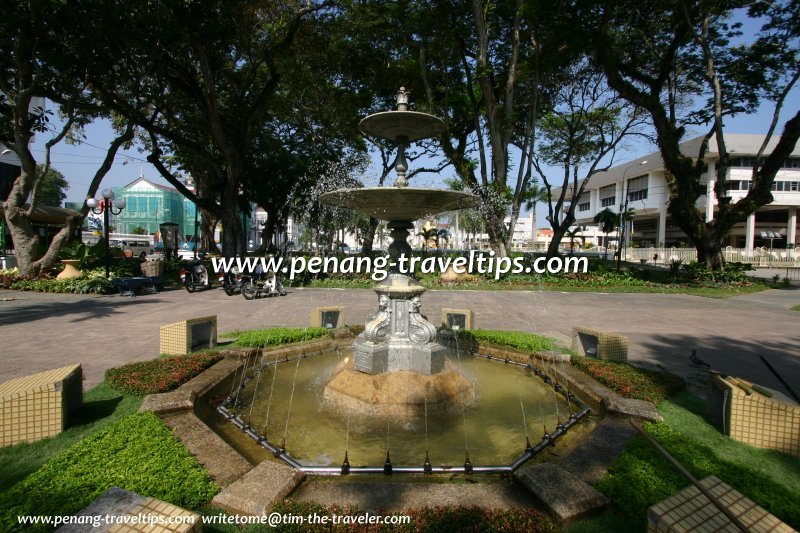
<point>26,241</point>
<point>709,251</point>
<point>558,236</point>
<point>208,223</point>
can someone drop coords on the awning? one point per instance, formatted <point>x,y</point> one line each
<point>48,214</point>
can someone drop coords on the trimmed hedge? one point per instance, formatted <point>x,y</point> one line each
<point>256,338</point>
<point>515,339</point>
<point>138,453</point>
<point>159,375</point>
<point>629,381</point>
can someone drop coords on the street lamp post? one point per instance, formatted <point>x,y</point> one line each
<point>106,205</point>
<point>623,215</point>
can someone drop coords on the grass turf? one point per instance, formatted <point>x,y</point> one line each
<point>138,453</point>
<point>102,406</point>
<point>640,477</point>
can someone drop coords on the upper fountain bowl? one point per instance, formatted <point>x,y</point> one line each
<point>400,204</point>
<point>401,126</point>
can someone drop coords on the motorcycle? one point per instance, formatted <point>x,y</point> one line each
<point>261,283</point>
<point>231,281</point>
<point>195,275</point>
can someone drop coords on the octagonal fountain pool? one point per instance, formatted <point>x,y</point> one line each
<point>493,416</point>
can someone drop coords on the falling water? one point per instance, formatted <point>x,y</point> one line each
<point>241,381</point>
<point>291,399</point>
<point>524,418</point>
<point>463,408</point>
<point>271,390</point>
<point>255,390</point>
<point>566,389</point>
<point>555,396</point>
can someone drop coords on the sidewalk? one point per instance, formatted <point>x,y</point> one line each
<point>42,331</point>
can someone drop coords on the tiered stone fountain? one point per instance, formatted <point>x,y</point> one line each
<point>398,366</point>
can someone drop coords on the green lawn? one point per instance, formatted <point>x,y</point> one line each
<point>796,308</point>
<point>137,453</point>
<point>640,477</point>
<point>102,406</point>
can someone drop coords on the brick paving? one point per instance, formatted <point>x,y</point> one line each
<point>43,331</point>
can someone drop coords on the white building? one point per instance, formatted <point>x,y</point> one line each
<point>645,183</point>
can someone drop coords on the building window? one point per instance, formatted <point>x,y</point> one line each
<point>792,162</point>
<point>637,188</point>
<point>739,185</point>
<point>608,195</point>
<point>584,206</point>
<point>742,162</point>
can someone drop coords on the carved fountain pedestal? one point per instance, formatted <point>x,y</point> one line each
<point>398,368</point>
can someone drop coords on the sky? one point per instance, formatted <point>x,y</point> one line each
<point>79,162</point>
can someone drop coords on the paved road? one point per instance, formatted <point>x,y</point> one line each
<point>42,331</point>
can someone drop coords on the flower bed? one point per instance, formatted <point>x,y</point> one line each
<point>629,381</point>
<point>426,519</point>
<point>159,375</point>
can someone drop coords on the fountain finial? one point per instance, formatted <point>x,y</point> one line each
<point>402,99</point>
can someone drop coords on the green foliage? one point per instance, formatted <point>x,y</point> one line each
<point>796,308</point>
<point>607,219</point>
<point>733,273</point>
<point>90,282</point>
<point>515,339</point>
<point>629,381</point>
<point>138,453</point>
<point>256,338</point>
<point>101,407</point>
<point>51,187</point>
<point>159,375</point>
<point>641,477</point>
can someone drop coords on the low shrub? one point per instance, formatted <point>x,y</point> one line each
<point>629,381</point>
<point>515,339</point>
<point>138,453</point>
<point>733,273</point>
<point>93,281</point>
<point>256,338</point>
<point>159,375</point>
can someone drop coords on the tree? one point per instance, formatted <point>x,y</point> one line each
<point>608,220</point>
<point>138,230</point>
<point>659,54</point>
<point>52,185</point>
<point>581,134</point>
<point>483,67</point>
<point>214,74</point>
<point>35,67</point>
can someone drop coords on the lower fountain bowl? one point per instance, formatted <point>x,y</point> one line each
<point>404,394</point>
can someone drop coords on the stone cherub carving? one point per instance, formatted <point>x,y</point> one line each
<point>377,327</point>
<point>420,330</point>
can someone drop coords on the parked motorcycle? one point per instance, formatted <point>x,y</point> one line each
<point>195,276</point>
<point>231,281</point>
<point>261,284</point>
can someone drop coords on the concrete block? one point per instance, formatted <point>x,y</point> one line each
<point>564,494</point>
<point>258,490</point>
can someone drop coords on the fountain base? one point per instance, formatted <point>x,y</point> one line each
<point>397,394</point>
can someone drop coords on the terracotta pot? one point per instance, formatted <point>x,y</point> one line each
<point>70,269</point>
